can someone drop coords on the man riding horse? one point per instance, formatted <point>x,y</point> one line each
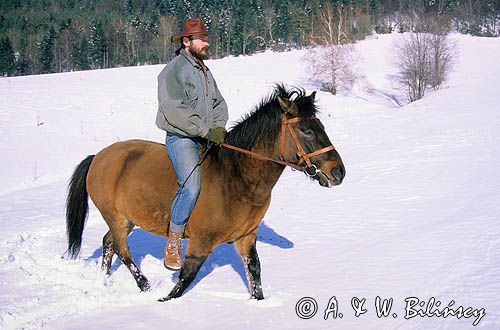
<point>191,110</point>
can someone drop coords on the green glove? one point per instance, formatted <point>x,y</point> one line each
<point>216,135</point>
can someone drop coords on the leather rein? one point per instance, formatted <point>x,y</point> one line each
<point>303,156</point>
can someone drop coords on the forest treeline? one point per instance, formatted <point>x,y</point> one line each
<point>45,36</point>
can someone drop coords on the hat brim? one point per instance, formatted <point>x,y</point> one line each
<point>176,39</point>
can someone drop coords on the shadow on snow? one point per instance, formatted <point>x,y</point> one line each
<point>142,243</point>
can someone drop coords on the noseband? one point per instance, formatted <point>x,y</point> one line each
<point>303,156</point>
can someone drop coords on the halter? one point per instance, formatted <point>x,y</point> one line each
<point>303,156</point>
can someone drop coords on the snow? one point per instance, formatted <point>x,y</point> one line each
<point>417,215</point>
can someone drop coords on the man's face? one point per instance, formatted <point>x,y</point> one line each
<point>198,46</point>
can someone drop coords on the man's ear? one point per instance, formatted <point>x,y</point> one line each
<point>288,106</point>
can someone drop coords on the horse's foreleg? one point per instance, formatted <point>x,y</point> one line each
<point>196,254</point>
<point>248,251</point>
<point>189,269</point>
<point>107,252</point>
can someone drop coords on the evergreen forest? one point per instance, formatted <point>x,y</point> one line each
<point>46,36</point>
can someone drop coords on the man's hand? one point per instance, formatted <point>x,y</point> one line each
<point>216,135</point>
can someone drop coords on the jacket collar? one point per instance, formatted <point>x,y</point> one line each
<point>191,60</point>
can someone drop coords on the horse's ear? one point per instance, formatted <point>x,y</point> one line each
<point>312,96</point>
<point>288,106</point>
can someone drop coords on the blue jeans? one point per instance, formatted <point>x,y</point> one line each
<point>183,152</point>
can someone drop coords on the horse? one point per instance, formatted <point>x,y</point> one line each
<point>132,183</point>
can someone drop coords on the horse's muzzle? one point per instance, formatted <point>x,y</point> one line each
<point>334,178</point>
<point>338,174</point>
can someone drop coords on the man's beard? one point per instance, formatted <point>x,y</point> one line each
<point>201,54</point>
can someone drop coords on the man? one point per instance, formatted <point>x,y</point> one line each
<point>191,110</point>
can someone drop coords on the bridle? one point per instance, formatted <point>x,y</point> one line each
<point>287,124</point>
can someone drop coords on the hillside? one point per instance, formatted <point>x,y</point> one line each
<point>417,214</point>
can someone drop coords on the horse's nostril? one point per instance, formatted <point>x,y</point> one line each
<point>338,173</point>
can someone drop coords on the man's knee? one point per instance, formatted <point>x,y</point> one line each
<point>192,189</point>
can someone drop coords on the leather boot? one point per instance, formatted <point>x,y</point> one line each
<point>172,255</point>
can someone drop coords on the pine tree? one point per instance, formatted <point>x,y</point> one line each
<point>23,63</point>
<point>282,23</point>
<point>80,56</point>
<point>129,8</point>
<point>46,52</point>
<point>7,57</point>
<point>98,45</point>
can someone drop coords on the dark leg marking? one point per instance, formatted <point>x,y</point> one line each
<point>189,269</point>
<point>107,252</point>
<point>252,266</point>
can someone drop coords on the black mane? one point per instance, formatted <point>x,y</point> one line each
<point>263,123</point>
<point>265,119</point>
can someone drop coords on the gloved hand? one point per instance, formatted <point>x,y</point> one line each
<point>216,135</point>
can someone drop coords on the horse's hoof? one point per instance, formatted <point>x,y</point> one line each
<point>145,288</point>
<point>167,298</point>
<point>143,284</point>
<point>257,296</point>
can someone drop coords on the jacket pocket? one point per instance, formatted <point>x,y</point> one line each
<point>193,102</point>
<point>191,94</point>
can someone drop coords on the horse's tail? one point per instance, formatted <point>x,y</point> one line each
<point>77,206</point>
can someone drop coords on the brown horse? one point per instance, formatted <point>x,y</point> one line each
<point>132,184</point>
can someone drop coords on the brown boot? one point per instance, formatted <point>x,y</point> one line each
<point>172,255</point>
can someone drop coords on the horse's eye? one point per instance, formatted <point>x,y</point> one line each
<point>308,132</point>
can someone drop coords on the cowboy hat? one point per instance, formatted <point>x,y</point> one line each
<point>191,27</point>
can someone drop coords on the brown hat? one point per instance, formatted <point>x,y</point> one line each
<point>191,26</point>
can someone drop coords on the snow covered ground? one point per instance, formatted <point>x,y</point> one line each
<point>418,214</point>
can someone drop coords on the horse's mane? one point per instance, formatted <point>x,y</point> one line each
<point>264,122</point>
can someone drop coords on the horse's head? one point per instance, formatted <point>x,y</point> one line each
<point>303,141</point>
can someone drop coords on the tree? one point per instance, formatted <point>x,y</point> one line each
<point>129,32</point>
<point>332,25</point>
<point>333,67</point>
<point>166,28</point>
<point>443,53</point>
<point>269,21</point>
<point>80,56</point>
<point>424,60</point>
<point>46,52</point>
<point>63,45</point>
<point>7,57</point>
<point>98,45</point>
<point>245,27</point>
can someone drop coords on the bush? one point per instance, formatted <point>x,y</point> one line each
<point>424,61</point>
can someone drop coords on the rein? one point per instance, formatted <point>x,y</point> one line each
<point>304,157</point>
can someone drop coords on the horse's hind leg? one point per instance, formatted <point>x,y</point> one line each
<point>107,252</point>
<point>247,249</point>
<point>120,230</point>
<point>196,254</point>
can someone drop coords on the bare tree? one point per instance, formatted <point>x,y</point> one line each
<point>413,58</point>
<point>332,25</point>
<point>166,28</point>
<point>327,25</point>
<point>332,67</point>
<point>269,21</point>
<point>443,58</point>
<point>424,60</point>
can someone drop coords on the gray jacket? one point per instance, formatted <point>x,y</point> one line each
<point>184,108</point>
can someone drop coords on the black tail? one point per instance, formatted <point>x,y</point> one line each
<point>77,206</point>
